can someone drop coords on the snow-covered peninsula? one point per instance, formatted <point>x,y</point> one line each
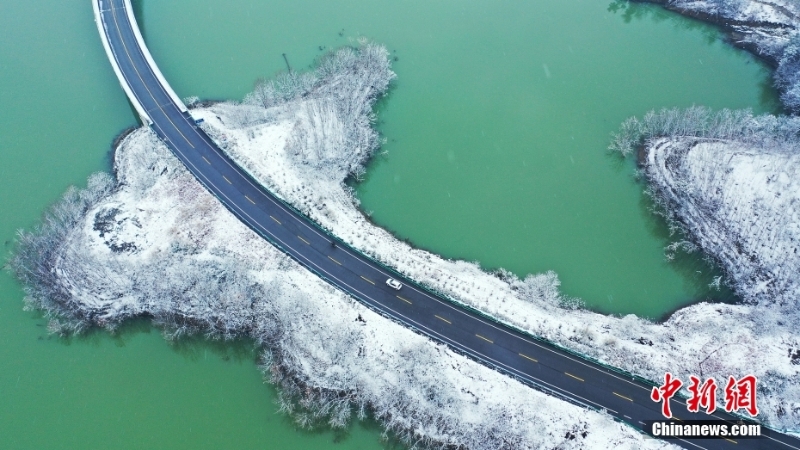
<point>151,241</point>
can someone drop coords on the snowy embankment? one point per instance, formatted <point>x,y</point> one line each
<point>740,204</point>
<point>153,242</point>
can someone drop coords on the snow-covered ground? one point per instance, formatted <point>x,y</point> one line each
<point>709,339</point>
<point>741,204</point>
<point>159,243</point>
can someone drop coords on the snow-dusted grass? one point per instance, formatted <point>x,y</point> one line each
<point>741,205</point>
<point>729,181</point>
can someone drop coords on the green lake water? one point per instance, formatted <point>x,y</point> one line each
<point>496,130</point>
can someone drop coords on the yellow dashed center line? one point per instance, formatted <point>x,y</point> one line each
<point>407,301</point>
<point>367,280</point>
<point>485,339</point>
<point>573,376</point>
<point>301,238</point>
<point>276,220</point>
<point>204,159</point>
<point>528,357</point>
<point>442,319</point>
<point>251,200</point>
<point>622,396</point>
<point>226,179</point>
<point>337,262</point>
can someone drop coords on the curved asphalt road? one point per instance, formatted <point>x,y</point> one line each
<point>531,361</point>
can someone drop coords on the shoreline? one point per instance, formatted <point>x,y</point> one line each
<point>731,28</point>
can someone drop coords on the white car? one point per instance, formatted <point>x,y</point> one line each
<point>394,284</point>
